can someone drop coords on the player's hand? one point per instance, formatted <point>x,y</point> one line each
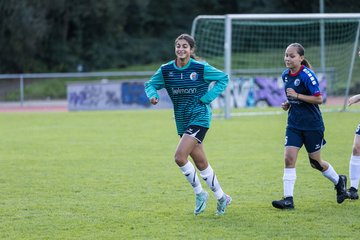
<point>353,99</point>
<point>154,101</point>
<point>285,106</point>
<point>291,93</point>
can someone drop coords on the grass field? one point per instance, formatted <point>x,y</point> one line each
<point>111,175</point>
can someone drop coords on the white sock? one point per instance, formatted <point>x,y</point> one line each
<point>331,174</point>
<point>190,174</point>
<point>211,180</point>
<point>289,179</point>
<point>354,171</point>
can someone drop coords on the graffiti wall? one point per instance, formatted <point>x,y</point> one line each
<point>113,95</point>
<point>259,92</point>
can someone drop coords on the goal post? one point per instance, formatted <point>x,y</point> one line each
<point>247,46</point>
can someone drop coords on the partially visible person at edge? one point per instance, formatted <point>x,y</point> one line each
<point>305,125</point>
<point>186,80</point>
<point>354,166</point>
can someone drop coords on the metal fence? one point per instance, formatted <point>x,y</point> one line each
<point>23,77</point>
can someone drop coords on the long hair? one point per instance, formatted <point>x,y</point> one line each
<point>191,42</point>
<point>301,51</point>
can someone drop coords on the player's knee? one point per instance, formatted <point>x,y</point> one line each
<point>289,161</point>
<point>356,150</point>
<point>179,159</point>
<point>315,164</point>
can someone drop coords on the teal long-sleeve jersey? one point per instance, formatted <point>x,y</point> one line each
<point>188,89</point>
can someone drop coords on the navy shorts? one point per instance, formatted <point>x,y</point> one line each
<point>312,140</point>
<point>196,132</point>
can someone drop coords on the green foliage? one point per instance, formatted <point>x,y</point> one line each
<point>56,36</point>
<point>111,175</point>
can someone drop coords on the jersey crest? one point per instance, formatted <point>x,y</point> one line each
<point>194,76</point>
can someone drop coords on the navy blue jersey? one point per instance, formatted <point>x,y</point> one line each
<point>302,115</point>
<point>188,88</point>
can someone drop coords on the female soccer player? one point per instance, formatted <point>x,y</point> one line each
<point>187,82</point>
<point>304,126</point>
<point>354,168</point>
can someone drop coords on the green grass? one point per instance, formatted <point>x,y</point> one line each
<point>111,175</point>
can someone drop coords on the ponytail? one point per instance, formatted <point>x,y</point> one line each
<point>195,57</point>
<point>306,63</point>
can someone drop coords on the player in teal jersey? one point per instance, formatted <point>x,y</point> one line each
<point>305,125</point>
<point>186,80</point>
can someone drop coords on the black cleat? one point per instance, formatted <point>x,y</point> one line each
<point>285,203</point>
<point>341,193</point>
<point>353,193</point>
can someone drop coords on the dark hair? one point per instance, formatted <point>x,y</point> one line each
<point>301,51</point>
<point>191,42</point>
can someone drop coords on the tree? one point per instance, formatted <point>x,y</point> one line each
<point>56,36</point>
<point>22,31</point>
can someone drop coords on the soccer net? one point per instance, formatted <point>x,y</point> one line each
<point>250,48</point>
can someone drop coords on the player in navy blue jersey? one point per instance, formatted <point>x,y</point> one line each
<point>187,80</point>
<point>305,125</point>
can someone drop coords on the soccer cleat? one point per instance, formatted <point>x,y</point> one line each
<point>201,200</point>
<point>353,193</point>
<point>222,204</point>
<point>285,203</point>
<point>341,193</point>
